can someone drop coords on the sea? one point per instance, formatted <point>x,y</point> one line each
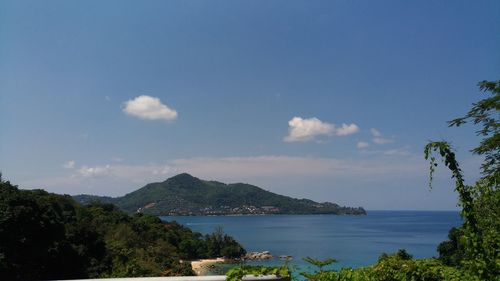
<point>355,241</point>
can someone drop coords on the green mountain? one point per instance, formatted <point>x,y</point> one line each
<point>187,195</point>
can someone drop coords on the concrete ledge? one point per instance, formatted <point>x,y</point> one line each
<point>186,278</point>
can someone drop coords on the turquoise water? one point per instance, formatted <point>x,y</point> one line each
<point>353,240</point>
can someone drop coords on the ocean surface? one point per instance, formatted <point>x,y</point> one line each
<point>354,241</point>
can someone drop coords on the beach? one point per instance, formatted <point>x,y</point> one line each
<point>200,267</point>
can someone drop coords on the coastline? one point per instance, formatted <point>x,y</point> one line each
<point>419,232</point>
<point>283,214</point>
<point>200,267</point>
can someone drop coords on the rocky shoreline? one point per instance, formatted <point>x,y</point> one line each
<point>264,255</point>
<point>258,256</point>
<point>210,267</point>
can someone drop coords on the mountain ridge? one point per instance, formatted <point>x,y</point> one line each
<point>185,194</point>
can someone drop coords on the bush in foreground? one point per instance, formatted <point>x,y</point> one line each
<point>396,267</point>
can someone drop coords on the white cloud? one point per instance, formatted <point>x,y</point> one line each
<point>346,130</point>
<point>382,140</point>
<point>69,165</point>
<point>362,145</point>
<point>306,129</point>
<point>377,137</point>
<point>124,172</point>
<point>241,168</point>
<point>235,167</point>
<point>149,108</point>
<point>163,170</point>
<point>96,171</point>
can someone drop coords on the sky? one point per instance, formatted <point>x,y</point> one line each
<point>327,100</point>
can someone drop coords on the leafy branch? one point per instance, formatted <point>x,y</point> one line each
<point>486,113</point>
<point>237,273</point>
<point>466,199</point>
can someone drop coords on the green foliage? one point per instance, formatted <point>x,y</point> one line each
<point>219,244</point>
<point>321,273</point>
<point>402,267</point>
<point>49,236</point>
<point>476,247</point>
<point>451,251</point>
<point>320,264</point>
<point>464,192</point>
<point>237,273</point>
<point>402,254</point>
<point>39,237</point>
<point>396,267</point>
<point>486,113</point>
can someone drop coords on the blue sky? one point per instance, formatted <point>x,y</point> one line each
<point>329,100</point>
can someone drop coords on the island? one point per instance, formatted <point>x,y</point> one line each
<point>186,195</point>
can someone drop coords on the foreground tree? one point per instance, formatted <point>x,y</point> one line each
<point>478,245</point>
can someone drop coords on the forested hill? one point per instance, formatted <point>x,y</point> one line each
<point>187,195</point>
<point>46,236</point>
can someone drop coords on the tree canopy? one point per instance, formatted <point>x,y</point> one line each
<point>50,236</point>
<point>476,245</point>
<point>486,113</point>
